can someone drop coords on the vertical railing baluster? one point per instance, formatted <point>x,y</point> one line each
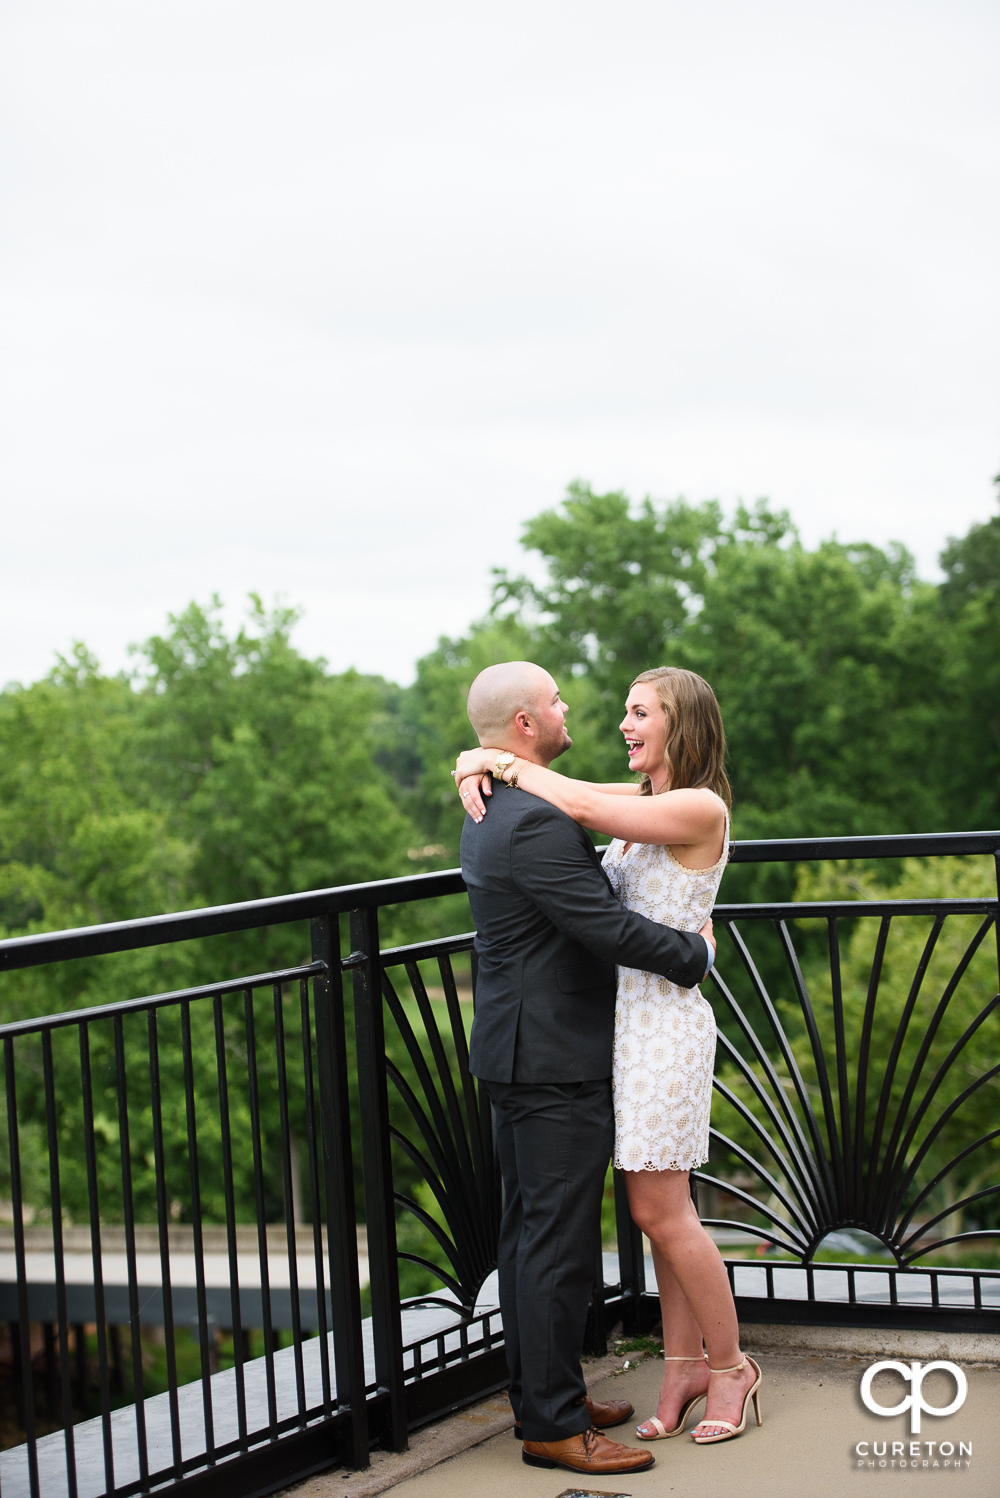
<point>196,1234</point>
<point>314,1194</point>
<point>880,1174</point>
<point>338,1184</point>
<point>225,1138</point>
<point>631,1261</point>
<point>479,1165</point>
<point>23,1337</point>
<point>55,1198</point>
<point>128,1213</point>
<point>840,1147</point>
<point>289,1192</point>
<point>90,1151</point>
<point>258,1186</point>
<point>864,1160</point>
<point>162,1224</point>
<point>996,918</point>
<point>376,1143</point>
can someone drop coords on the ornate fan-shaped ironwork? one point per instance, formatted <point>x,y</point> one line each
<point>440,1123</point>
<point>855,1082</point>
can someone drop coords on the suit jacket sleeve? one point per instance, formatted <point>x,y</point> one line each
<point>554,866</point>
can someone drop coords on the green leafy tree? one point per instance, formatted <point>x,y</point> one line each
<point>230,769</point>
<point>841,675</point>
<point>622,579</point>
<point>78,844</point>
<point>819,659</point>
<point>970,688</point>
<point>265,762</point>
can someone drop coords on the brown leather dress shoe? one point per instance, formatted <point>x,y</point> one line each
<point>589,1453</point>
<point>604,1416</point>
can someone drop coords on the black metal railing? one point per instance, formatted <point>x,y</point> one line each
<point>206,1143</point>
<point>856,1098</point>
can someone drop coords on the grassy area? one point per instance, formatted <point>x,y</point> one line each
<point>637,1349</point>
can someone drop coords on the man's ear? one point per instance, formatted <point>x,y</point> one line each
<point>523,723</point>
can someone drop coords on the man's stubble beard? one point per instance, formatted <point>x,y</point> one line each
<point>558,746</point>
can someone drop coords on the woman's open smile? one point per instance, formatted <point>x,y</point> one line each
<point>644,727</point>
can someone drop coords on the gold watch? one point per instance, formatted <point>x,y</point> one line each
<point>504,762</point>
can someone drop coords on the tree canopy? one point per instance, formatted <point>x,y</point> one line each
<point>227,766</point>
<point>857,698</point>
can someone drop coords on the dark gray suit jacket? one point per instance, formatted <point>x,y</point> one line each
<point>549,932</point>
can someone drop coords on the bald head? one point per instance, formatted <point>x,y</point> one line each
<point>516,706</point>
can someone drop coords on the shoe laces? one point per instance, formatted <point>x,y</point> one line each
<point>590,1439</point>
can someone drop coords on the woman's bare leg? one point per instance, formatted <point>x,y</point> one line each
<point>682,1338</point>
<point>695,1289</point>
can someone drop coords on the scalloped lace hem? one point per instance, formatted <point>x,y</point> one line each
<point>694,1164</point>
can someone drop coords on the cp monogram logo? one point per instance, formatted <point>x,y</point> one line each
<point>914,1374</point>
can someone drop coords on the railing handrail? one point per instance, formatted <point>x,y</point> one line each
<point>215,920</point>
<point>390,956</point>
<point>69,1017</point>
<point>809,910</point>
<point>892,845</point>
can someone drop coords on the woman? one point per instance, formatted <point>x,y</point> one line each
<point>671,839</point>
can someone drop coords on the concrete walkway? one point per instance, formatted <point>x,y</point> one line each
<point>814,1420</point>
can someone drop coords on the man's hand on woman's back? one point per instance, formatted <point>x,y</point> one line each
<point>706,932</point>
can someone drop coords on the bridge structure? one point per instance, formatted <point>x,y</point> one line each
<point>220,1144</point>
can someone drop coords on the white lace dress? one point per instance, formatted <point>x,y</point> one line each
<point>664,1054</point>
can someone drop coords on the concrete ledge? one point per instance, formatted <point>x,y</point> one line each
<point>871,1343</point>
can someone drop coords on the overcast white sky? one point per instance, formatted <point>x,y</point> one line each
<point>323,300</point>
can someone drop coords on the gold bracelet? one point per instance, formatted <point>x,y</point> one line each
<point>512,782</point>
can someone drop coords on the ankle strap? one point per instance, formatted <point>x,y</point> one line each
<point>702,1359</point>
<point>738,1367</point>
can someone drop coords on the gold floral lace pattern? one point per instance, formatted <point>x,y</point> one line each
<point>664,1050</point>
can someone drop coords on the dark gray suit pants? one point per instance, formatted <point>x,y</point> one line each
<point>554,1142</point>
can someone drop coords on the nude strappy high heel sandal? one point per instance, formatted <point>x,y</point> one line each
<point>662,1433</point>
<point>729,1429</point>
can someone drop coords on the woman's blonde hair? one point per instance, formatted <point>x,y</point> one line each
<point>695,751</point>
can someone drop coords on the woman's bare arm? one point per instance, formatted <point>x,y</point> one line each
<point>612,787</point>
<point>676,817</point>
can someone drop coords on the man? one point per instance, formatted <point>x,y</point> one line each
<point>549,932</point>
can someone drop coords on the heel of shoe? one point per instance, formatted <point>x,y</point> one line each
<point>531,1460</point>
<point>756,1407</point>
